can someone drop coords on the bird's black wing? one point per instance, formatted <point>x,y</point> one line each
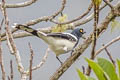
<point>66,36</point>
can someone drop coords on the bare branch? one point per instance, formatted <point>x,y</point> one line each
<point>76,19</point>
<point>31,62</point>
<point>46,18</point>
<point>96,18</point>
<point>8,78</point>
<point>108,3</point>
<point>89,18</point>
<point>11,70</point>
<point>12,31</point>
<point>25,34</point>
<point>108,44</point>
<point>10,40</point>
<point>42,61</point>
<point>1,57</point>
<point>27,73</point>
<point>110,57</point>
<point>18,5</point>
<point>83,68</point>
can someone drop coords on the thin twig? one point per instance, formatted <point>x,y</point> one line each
<point>42,61</point>
<point>90,17</point>
<point>10,41</point>
<point>110,57</point>
<point>31,62</point>
<point>92,53</point>
<point>46,18</point>
<point>108,3</point>
<point>88,70</point>
<point>8,78</point>
<point>106,45</point>
<point>6,23</point>
<point>94,38</point>
<point>83,68</point>
<point>11,70</point>
<point>1,56</point>
<point>18,5</point>
<point>1,59</point>
<point>76,19</point>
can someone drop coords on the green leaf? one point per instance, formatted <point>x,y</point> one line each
<point>97,69</point>
<point>81,75</point>
<point>118,63</point>
<point>90,78</point>
<point>108,67</point>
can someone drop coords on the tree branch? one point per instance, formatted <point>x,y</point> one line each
<point>108,3</point>
<point>96,18</point>
<point>10,40</point>
<point>76,19</point>
<point>1,55</point>
<point>42,61</point>
<point>110,57</point>
<point>18,5</point>
<point>11,70</point>
<point>89,18</point>
<point>31,62</point>
<point>108,44</point>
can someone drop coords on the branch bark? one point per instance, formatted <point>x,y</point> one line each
<point>1,56</point>
<point>18,5</point>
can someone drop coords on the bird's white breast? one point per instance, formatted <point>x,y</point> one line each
<point>59,46</point>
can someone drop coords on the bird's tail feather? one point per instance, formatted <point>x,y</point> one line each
<point>30,30</point>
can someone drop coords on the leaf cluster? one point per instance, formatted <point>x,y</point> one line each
<point>103,69</point>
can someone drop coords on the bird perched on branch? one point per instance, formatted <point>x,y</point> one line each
<point>59,43</point>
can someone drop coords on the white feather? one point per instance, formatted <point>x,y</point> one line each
<point>59,46</point>
<point>14,25</point>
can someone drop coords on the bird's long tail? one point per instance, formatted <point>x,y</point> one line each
<point>30,30</point>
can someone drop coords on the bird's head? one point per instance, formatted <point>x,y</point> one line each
<point>78,32</point>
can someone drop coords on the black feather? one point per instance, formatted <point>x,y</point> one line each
<point>63,36</point>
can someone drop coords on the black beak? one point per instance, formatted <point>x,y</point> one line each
<point>84,32</point>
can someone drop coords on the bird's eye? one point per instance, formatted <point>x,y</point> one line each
<point>81,30</point>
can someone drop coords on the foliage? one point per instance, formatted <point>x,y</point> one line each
<point>60,27</point>
<point>82,76</point>
<point>103,69</point>
<point>115,25</point>
<point>97,2</point>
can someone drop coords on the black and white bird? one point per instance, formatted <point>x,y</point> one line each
<point>59,43</point>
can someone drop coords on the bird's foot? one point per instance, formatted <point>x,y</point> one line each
<point>59,60</point>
